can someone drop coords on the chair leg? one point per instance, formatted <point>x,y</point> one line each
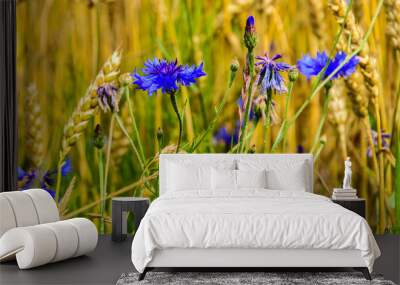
<point>143,274</point>
<point>364,271</point>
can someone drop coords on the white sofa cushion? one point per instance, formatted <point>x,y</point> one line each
<point>44,205</point>
<point>7,220</point>
<point>40,244</point>
<point>26,208</point>
<point>31,232</point>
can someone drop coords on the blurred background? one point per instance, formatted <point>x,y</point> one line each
<point>62,45</point>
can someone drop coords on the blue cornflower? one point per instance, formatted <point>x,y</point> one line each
<point>25,179</point>
<point>270,77</point>
<point>46,181</point>
<point>313,66</point>
<point>166,75</point>
<point>228,138</point>
<point>66,168</point>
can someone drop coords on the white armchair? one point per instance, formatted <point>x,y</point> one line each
<point>31,230</point>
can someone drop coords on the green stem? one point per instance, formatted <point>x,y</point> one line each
<point>135,128</point>
<point>124,130</point>
<point>250,62</point>
<point>250,67</point>
<point>382,210</point>
<point>321,122</point>
<point>59,177</point>
<point>135,150</point>
<point>175,106</point>
<point>235,148</point>
<point>217,113</point>
<point>109,144</point>
<point>102,190</point>
<point>242,141</point>
<point>288,99</point>
<point>267,121</point>
<point>318,151</point>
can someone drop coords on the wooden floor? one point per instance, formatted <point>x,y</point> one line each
<point>111,259</point>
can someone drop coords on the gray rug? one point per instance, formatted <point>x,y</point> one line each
<point>243,278</point>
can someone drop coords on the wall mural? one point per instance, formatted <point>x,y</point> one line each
<point>105,86</point>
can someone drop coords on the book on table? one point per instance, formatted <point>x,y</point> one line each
<point>344,194</point>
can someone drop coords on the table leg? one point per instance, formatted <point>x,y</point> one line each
<point>117,222</point>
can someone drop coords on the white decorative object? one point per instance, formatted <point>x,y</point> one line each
<point>347,174</point>
<point>31,231</point>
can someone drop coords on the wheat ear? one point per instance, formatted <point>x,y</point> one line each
<point>338,114</point>
<point>88,104</point>
<point>34,129</point>
<point>317,19</point>
<point>392,11</point>
<point>354,33</point>
<point>356,90</point>
<point>358,8</point>
<point>86,109</point>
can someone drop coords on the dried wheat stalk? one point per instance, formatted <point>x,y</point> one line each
<point>317,19</point>
<point>88,104</point>
<point>338,114</point>
<point>354,33</point>
<point>34,129</point>
<point>392,11</point>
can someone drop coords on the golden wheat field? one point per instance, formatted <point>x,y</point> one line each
<point>68,50</point>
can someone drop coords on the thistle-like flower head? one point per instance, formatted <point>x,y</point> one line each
<point>250,37</point>
<point>107,98</point>
<point>166,75</point>
<point>310,66</point>
<point>270,77</point>
<point>250,28</point>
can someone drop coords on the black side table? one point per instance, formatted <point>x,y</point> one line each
<point>355,205</point>
<point>120,208</point>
